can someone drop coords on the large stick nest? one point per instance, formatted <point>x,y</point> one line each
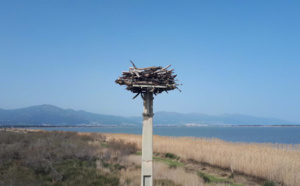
<point>152,79</point>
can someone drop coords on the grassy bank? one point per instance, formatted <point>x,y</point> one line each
<point>277,162</point>
<point>70,158</point>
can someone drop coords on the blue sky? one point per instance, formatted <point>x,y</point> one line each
<point>231,56</point>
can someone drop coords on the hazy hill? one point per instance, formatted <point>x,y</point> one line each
<point>52,115</point>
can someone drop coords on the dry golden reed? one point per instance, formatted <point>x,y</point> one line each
<point>277,162</point>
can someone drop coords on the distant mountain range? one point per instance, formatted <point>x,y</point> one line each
<point>49,115</point>
<point>52,115</point>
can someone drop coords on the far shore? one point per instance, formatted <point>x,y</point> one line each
<point>110,126</point>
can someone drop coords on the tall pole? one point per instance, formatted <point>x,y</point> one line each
<point>147,141</point>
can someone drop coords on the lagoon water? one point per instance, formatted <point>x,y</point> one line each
<point>287,135</point>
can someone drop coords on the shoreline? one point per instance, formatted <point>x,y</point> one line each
<point>154,136</point>
<point>136,126</point>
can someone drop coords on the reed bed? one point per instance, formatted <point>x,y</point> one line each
<point>277,162</point>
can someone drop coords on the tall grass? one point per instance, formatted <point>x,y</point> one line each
<point>277,162</point>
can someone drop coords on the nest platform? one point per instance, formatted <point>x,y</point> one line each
<point>150,79</point>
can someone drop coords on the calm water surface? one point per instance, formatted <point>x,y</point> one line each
<point>288,135</point>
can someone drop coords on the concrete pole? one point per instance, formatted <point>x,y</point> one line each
<point>147,141</point>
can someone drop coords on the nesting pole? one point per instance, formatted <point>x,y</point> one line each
<point>146,82</point>
<point>147,141</point>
